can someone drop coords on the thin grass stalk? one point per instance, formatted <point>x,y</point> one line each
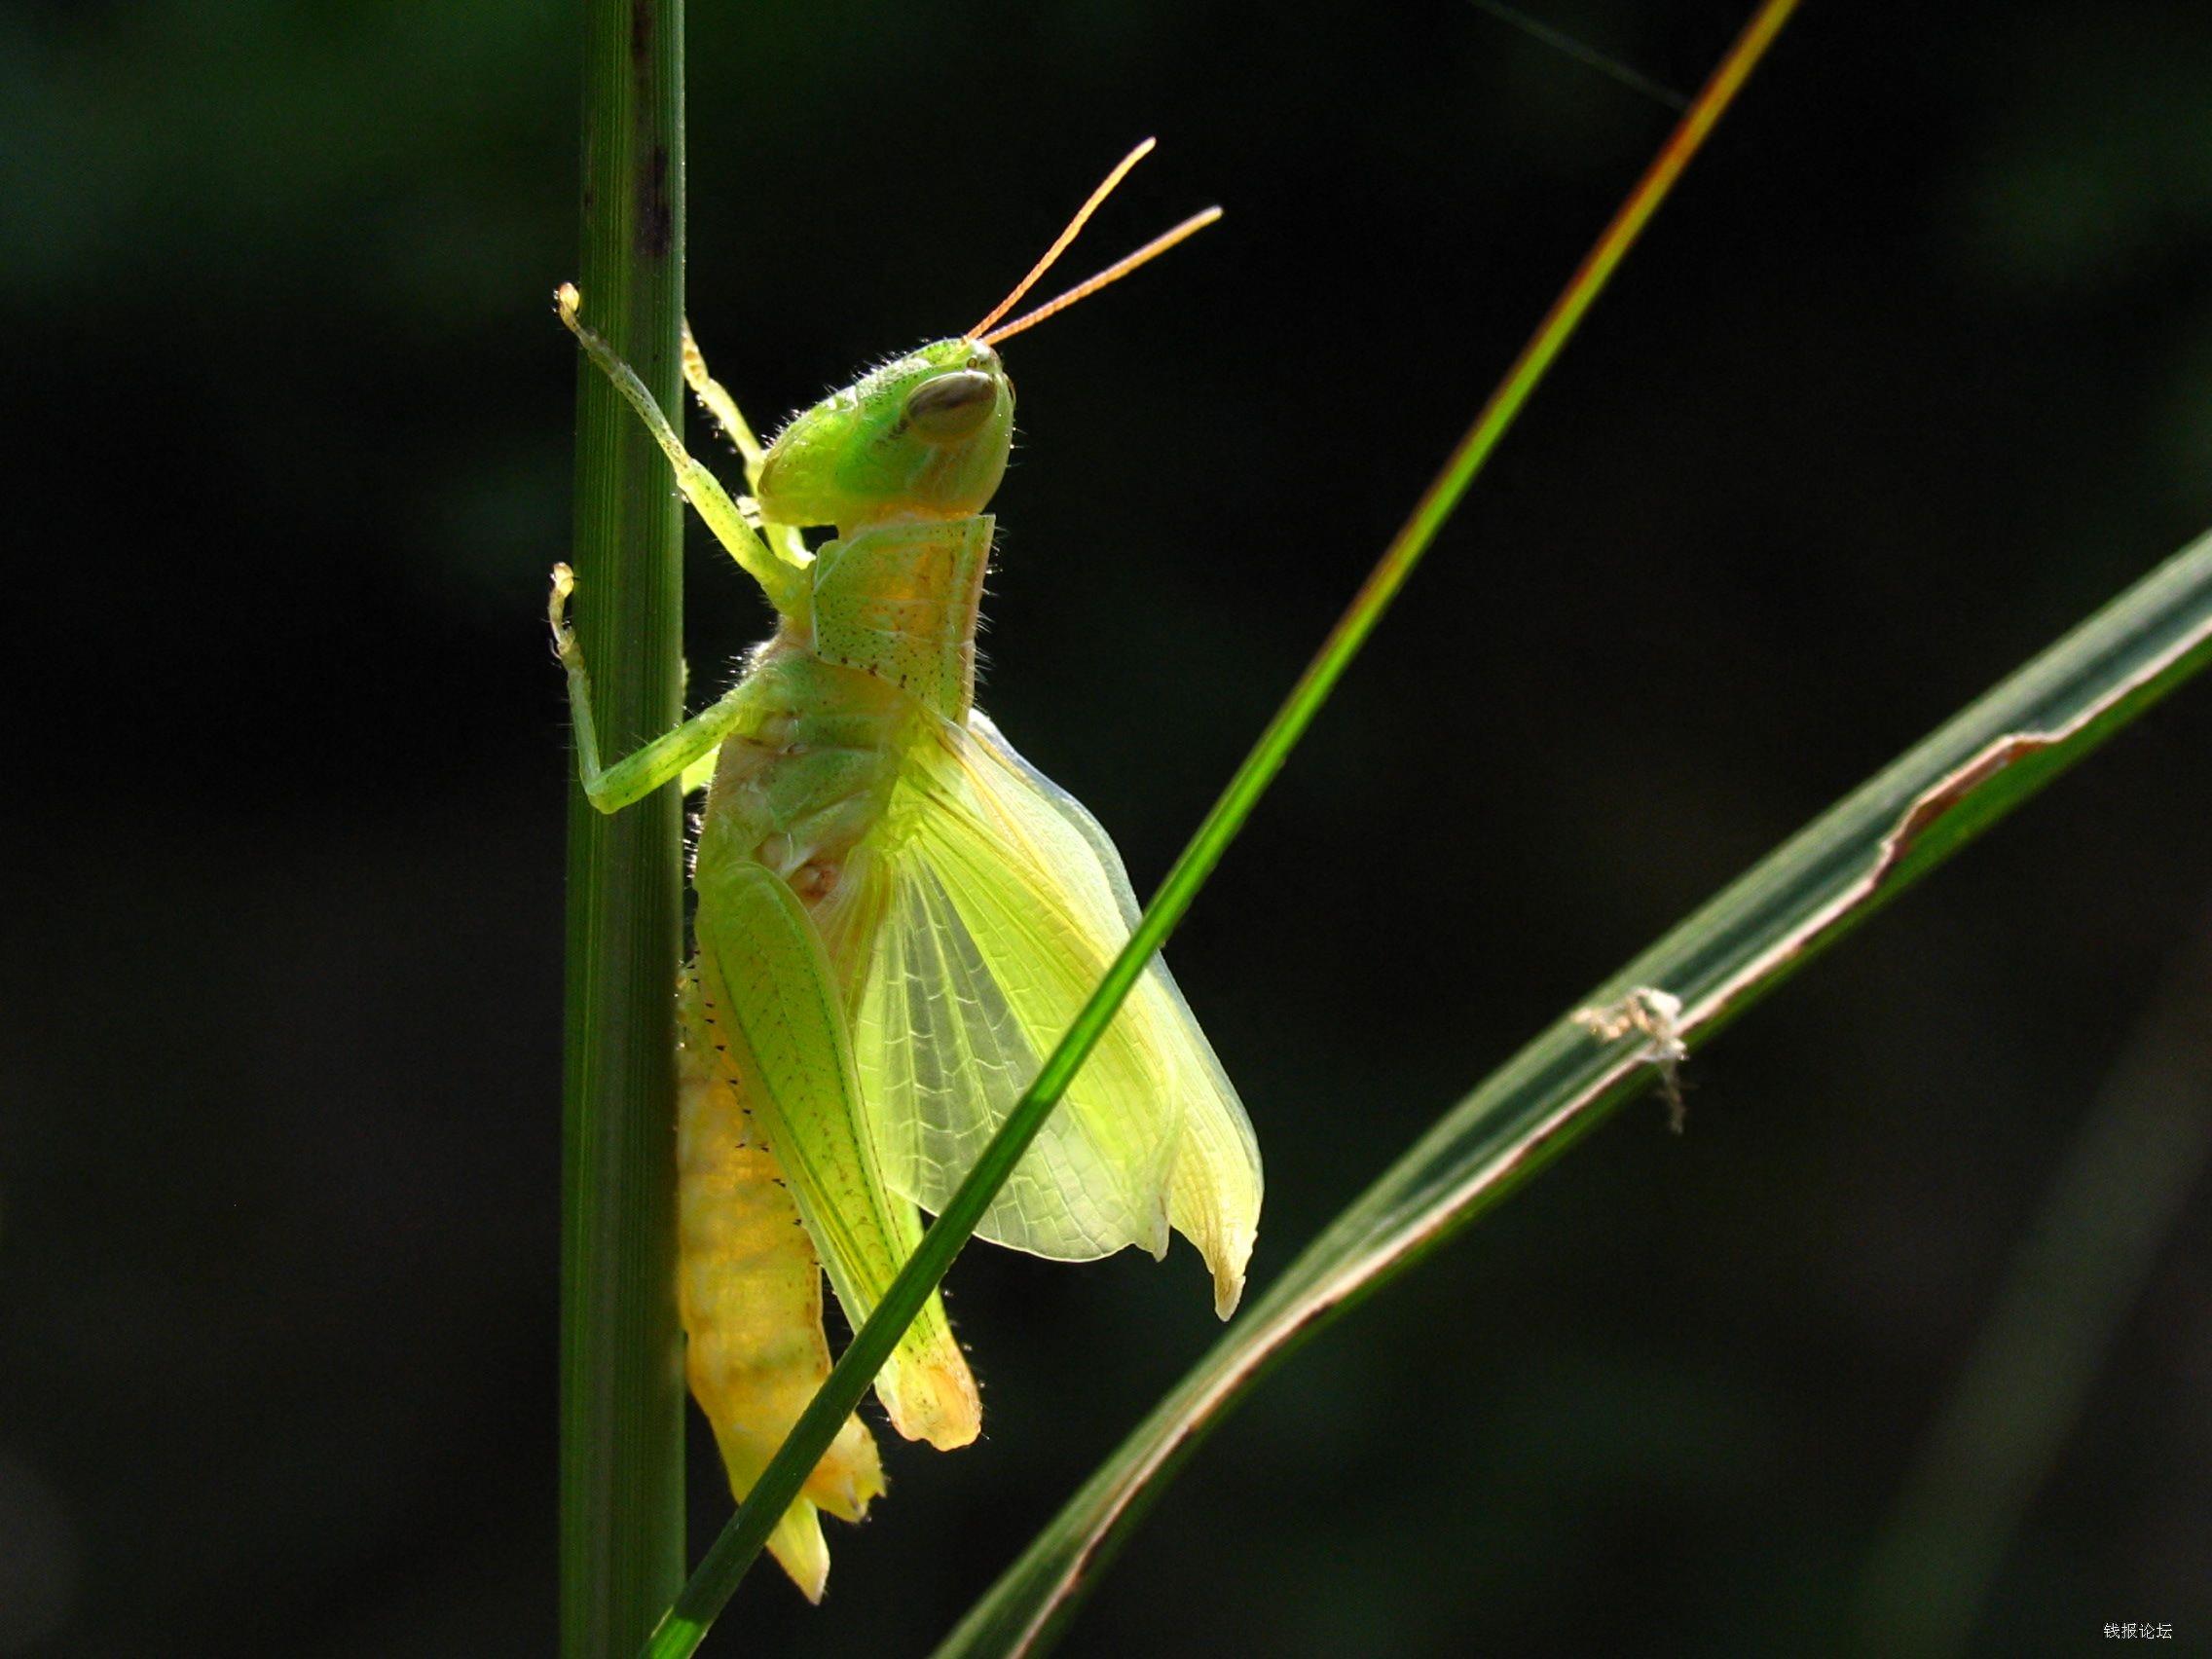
<point>717,1576</point>
<point>621,1517</point>
<point>2120,1189</point>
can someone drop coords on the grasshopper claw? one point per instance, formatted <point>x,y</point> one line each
<point>557,611</point>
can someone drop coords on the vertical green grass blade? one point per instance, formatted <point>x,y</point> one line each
<point>741,1542</point>
<point>1803,898</point>
<point>621,1524</point>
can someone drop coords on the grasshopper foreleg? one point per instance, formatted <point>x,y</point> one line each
<point>638,774</point>
<point>782,580</point>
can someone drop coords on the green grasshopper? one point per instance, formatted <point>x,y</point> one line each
<point>898,916</point>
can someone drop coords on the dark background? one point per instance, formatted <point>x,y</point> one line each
<point>1915,372</point>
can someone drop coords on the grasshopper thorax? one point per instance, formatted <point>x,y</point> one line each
<point>922,437</point>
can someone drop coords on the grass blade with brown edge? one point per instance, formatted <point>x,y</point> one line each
<point>1739,949</point>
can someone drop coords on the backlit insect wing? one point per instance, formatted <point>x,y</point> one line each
<point>1006,903</point>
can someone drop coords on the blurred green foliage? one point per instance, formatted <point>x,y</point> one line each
<point>1917,371</point>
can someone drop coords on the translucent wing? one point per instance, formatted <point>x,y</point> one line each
<point>1007,902</point>
<point>1214,1200</point>
<point>948,1036</point>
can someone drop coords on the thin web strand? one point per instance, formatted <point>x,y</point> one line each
<point>1060,242</point>
<point>1589,56</point>
<point>1113,273</point>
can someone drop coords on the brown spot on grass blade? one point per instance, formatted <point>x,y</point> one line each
<point>1954,791</point>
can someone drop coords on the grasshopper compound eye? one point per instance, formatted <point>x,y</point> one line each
<point>950,406</point>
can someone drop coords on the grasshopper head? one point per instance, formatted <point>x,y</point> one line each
<point>923,437</point>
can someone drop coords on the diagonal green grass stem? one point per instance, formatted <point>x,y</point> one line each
<point>717,1576</point>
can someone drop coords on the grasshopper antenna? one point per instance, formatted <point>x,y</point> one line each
<point>983,331</point>
<point>1113,273</point>
<point>1060,242</point>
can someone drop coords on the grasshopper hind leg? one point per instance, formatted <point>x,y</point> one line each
<point>750,1296</point>
<point>779,1028</point>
